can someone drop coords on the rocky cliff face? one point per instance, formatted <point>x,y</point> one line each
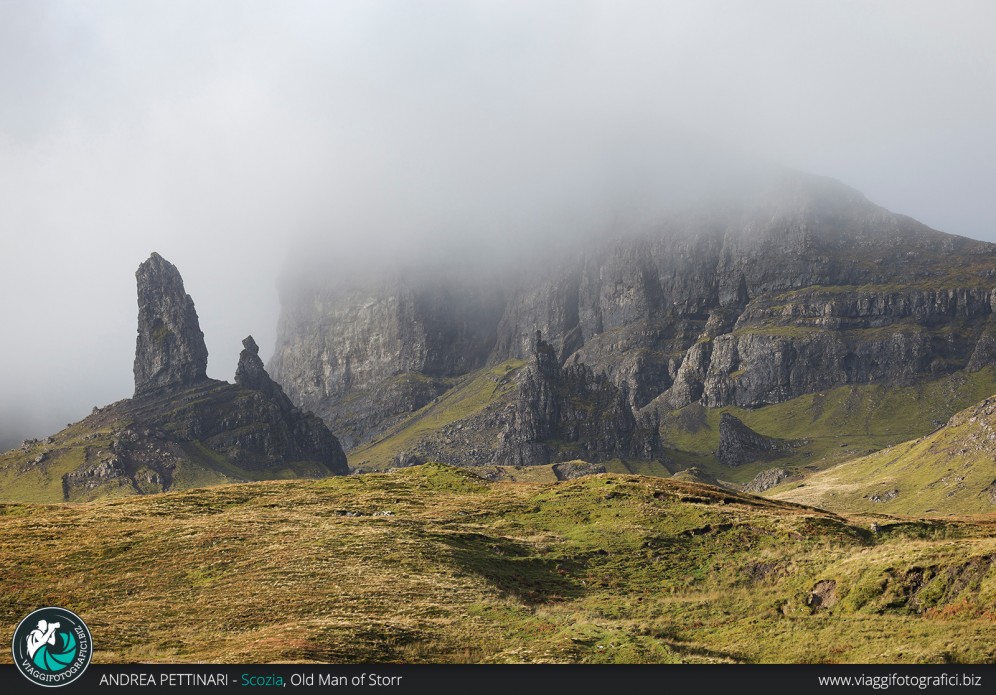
<point>170,352</point>
<point>808,340</point>
<point>363,353</point>
<point>564,414</point>
<point>253,424</point>
<point>796,286</point>
<point>251,374</point>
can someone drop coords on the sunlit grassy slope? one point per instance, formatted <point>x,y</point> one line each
<point>434,564</point>
<point>953,468</point>
<point>22,481</point>
<point>831,426</point>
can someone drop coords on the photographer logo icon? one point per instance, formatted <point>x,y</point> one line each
<point>52,647</point>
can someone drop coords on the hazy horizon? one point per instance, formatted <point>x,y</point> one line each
<point>225,135</point>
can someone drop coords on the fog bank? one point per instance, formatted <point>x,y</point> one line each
<point>226,134</point>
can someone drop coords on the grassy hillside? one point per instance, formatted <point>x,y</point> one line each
<point>434,564</point>
<point>953,468</point>
<point>126,448</point>
<point>834,426</point>
<point>831,426</point>
<point>33,473</point>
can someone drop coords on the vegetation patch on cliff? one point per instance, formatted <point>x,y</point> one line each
<point>469,397</point>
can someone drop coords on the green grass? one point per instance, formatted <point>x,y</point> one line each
<point>203,466</point>
<point>522,474</point>
<point>433,564</point>
<point>953,276</point>
<point>949,471</point>
<point>835,425</point>
<point>778,330</point>
<point>25,481</point>
<point>469,397</point>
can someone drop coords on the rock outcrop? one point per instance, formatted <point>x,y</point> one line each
<point>569,413</point>
<point>984,353</point>
<point>251,374</point>
<point>181,429</point>
<point>765,480</point>
<point>170,352</point>
<point>253,424</point>
<point>739,444</point>
<point>572,470</point>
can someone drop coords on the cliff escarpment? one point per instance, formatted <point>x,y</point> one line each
<point>798,286</point>
<point>364,353</point>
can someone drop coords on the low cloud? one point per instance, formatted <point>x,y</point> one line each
<point>225,135</point>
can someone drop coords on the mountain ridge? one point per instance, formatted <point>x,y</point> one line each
<point>804,287</point>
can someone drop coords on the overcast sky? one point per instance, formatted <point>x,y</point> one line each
<point>218,133</point>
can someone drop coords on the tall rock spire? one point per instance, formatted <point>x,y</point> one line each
<point>170,350</point>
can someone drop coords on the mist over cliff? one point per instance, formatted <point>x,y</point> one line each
<point>779,285</point>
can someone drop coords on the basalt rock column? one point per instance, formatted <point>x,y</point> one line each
<point>170,352</point>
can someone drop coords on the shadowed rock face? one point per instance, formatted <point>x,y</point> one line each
<point>251,374</point>
<point>571,413</point>
<point>304,436</point>
<point>739,444</point>
<point>170,352</point>
<point>361,339</point>
<point>213,432</point>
